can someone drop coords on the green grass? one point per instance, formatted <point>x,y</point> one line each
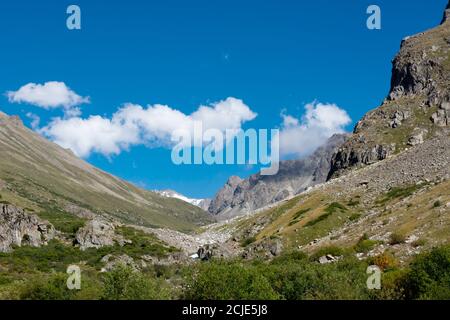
<point>63,221</point>
<point>397,238</point>
<point>398,193</point>
<point>332,208</point>
<point>365,245</point>
<point>355,216</point>
<point>247,241</point>
<point>298,215</point>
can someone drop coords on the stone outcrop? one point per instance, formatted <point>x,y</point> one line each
<point>266,249</point>
<point>111,262</point>
<point>240,196</point>
<point>18,228</point>
<point>98,233</point>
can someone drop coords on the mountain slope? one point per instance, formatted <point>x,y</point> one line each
<point>407,195</point>
<point>391,189</point>
<point>242,196</point>
<point>416,109</point>
<point>38,174</point>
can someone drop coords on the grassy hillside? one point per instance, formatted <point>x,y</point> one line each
<point>400,205</point>
<point>39,175</point>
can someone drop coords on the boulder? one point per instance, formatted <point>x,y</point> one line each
<point>417,137</point>
<point>205,253</point>
<point>112,261</point>
<point>18,228</point>
<point>98,233</point>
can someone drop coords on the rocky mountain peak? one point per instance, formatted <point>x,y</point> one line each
<point>416,109</point>
<point>239,196</point>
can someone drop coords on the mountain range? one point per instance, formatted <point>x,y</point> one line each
<point>383,189</point>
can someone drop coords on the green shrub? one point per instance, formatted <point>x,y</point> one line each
<point>54,287</point>
<point>247,241</point>
<point>220,280</point>
<point>125,284</point>
<point>419,243</point>
<point>300,280</point>
<point>398,193</point>
<point>365,245</point>
<point>429,277</point>
<point>355,217</point>
<point>386,261</point>
<point>437,204</point>
<point>290,257</point>
<point>63,221</point>
<point>397,238</point>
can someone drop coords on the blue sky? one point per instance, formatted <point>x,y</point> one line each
<point>274,55</point>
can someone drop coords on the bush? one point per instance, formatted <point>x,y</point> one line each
<point>354,217</point>
<point>419,243</point>
<point>220,280</point>
<point>429,277</point>
<point>247,241</point>
<point>302,280</point>
<point>63,221</point>
<point>385,261</point>
<point>392,286</point>
<point>397,238</point>
<point>54,287</point>
<point>125,284</point>
<point>437,204</point>
<point>365,245</point>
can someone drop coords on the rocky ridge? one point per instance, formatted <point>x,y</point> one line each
<point>241,196</point>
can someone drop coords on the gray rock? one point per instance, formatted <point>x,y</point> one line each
<point>349,156</point>
<point>18,228</point>
<point>112,262</point>
<point>98,233</point>
<point>417,137</point>
<point>205,253</point>
<point>328,259</point>
<point>441,117</point>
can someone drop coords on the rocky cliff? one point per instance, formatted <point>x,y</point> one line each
<point>18,228</point>
<point>416,109</point>
<point>245,195</point>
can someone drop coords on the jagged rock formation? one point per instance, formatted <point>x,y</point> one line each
<point>416,109</point>
<point>245,195</point>
<point>98,233</point>
<point>18,228</point>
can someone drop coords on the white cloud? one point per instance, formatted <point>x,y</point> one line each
<point>49,95</point>
<point>35,120</point>
<point>318,124</point>
<point>133,124</point>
